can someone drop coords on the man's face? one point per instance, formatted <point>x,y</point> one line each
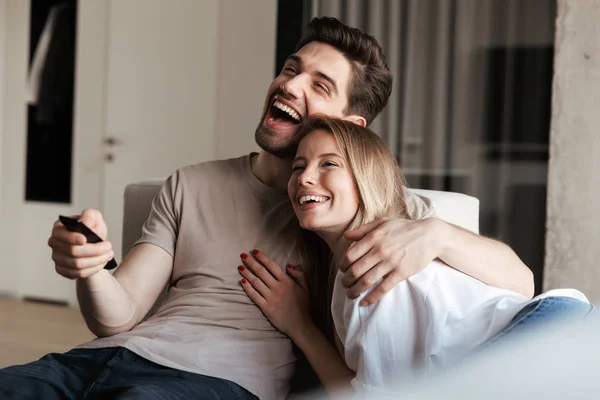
<point>313,81</point>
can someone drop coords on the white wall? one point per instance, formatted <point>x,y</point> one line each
<point>573,238</point>
<point>247,60</point>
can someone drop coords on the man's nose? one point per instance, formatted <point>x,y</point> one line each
<point>295,86</point>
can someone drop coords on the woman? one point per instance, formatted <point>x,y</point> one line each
<point>343,177</point>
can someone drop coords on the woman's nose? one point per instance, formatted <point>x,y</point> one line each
<point>306,178</point>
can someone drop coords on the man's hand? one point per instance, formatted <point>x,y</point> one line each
<point>75,258</point>
<point>392,249</point>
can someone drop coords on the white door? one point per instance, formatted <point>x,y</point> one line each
<point>186,82</point>
<point>161,94</point>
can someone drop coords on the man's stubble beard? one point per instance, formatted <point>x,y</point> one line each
<point>285,150</point>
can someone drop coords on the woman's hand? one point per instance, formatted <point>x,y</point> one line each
<point>283,298</point>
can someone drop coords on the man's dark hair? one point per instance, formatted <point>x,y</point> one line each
<point>371,83</point>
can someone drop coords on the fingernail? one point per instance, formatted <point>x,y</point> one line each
<point>255,252</point>
<point>241,268</point>
<point>244,281</point>
<point>244,256</point>
<point>290,267</point>
<point>364,303</point>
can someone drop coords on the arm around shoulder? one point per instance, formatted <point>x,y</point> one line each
<point>488,260</point>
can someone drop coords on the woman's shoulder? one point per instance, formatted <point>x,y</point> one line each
<point>403,300</point>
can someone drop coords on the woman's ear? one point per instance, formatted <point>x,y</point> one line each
<point>357,119</point>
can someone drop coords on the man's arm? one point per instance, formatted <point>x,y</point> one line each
<point>395,249</point>
<point>488,260</point>
<point>111,304</point>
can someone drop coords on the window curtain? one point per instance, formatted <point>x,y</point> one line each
<point>439,53</point>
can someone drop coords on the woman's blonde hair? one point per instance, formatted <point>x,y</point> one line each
<point>379,184</point>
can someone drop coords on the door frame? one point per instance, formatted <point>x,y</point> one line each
<point>2,63</point>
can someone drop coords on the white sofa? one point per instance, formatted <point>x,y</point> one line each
<point>456,208</point>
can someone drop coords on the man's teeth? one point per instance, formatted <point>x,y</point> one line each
<point>318,199</point>
<point>287,109</point>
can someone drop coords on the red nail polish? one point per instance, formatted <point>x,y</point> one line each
<point>241,268</point>
<point>244,281</point>
<point>290,267</point>
<point>244,256</point>
<point>255,252</point>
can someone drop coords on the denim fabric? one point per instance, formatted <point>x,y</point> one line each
<point>541,314</point>
<point>109,373</point>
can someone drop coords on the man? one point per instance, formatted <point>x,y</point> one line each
<point>207,339</point>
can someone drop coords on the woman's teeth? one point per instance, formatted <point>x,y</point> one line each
<point>317,199</point>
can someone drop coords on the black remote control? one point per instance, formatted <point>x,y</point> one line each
<point>75,225</point>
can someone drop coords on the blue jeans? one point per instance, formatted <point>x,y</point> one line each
<point>540,314</point>
<point>110,373</point>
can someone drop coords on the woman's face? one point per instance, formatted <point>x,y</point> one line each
<point>321,187</point>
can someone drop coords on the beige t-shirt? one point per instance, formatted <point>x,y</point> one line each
<point>205,215</point>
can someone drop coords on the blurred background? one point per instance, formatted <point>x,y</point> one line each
<point>97,94</point>
<point>470,108</point>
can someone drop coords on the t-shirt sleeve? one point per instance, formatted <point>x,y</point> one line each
<point>387,340</point>
<point>418,207</point>
<point>162,226</point>
<point>383,337</point>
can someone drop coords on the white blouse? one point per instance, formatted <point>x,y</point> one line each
<point>427,321</point>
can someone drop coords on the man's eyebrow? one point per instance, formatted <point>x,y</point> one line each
<point>298,60</point>
<point>294,58</point>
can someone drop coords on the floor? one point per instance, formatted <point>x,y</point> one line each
<point>28,330</point>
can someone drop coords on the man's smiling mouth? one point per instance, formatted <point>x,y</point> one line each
<point>279,112</point>
<point>278,105</point>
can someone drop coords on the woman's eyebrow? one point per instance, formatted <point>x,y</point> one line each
<point>320,156</point>
<point>330,155</point>
<point>299,159</point>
